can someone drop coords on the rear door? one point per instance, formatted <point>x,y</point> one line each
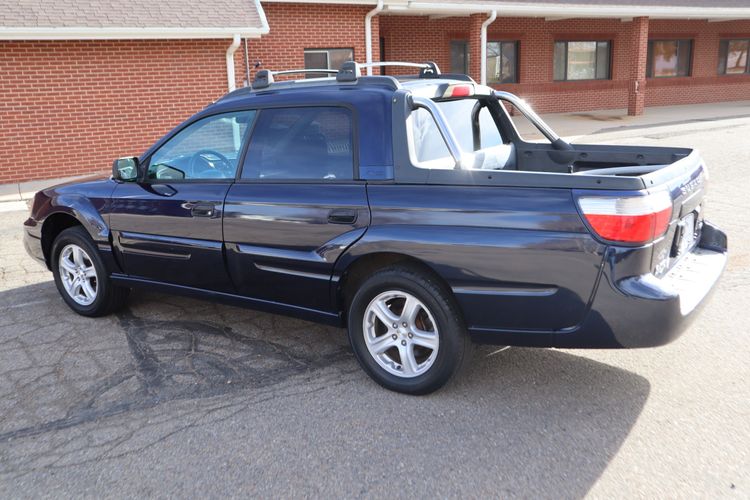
<point>296,206</point>
<point>167,227</point>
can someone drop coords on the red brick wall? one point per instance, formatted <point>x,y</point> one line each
<point>419,39</point>
<point>705,84</point>
<point>70,108</point>
<point>295,27</point>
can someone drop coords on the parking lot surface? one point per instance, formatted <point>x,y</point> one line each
<point>183,398</point>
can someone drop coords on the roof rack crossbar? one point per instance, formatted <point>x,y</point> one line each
<point>350,70</point>
<point>264,77</point>
<point>293,71</point>
<point>393,63</point>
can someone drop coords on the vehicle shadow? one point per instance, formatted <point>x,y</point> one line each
<point>521,422</point>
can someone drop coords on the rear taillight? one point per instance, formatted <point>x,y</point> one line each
<point>634,219</point>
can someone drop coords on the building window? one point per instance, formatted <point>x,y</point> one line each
<point>582,60</point>
<point>326,59</point>
<point>733,57</point>
<point>460,57</point>
<point>502,62</point>
<point>668,58</point>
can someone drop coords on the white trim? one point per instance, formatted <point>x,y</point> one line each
<point>231,77</point>
<point>368,34</point>
<point>86,33</point>
<point>526,9</point>
<point>587,11</point>
<point>483,48</point>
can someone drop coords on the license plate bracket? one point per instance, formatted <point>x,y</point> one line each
<point>684,239</point>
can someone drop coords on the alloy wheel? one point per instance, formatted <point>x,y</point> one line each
<point>78,274</point>
<point>401,334</point>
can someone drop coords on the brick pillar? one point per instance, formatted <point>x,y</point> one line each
<point>475,46</point>
<point>638,58</point>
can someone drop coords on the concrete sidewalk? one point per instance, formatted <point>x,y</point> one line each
<point>573,126</point>
<point>596,125</point>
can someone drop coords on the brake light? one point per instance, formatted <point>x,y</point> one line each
<point>635,219</point>
<point>459,90</point>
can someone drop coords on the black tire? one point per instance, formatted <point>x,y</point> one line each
<point>454,349</point>
<point>109,297</point>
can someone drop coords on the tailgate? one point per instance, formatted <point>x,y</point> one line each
<point>685,180</point>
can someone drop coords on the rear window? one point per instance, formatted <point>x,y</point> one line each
<point>313,143</point>
<point>429,148</point>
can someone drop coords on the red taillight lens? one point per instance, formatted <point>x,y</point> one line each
<point>637,219</point>
<point>459,90</point>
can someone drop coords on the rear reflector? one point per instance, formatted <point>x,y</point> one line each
<point>637,219</point>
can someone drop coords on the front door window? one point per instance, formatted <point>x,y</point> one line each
<point>206,149</point>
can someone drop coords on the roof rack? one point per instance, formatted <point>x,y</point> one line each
<point>350,71</point>
<point>264,77</point>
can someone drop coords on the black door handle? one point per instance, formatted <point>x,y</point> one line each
<point>203,210</point>
<point>342,216</point>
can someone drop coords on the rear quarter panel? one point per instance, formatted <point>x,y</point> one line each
<point>517,259</point>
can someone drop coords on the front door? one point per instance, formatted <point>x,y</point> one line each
<point>296,207</point>
<point>168,226</point>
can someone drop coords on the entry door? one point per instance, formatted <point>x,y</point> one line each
<point>168,226</point>
<point>296,208</point>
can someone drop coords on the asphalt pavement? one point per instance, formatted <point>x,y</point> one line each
<point>176,397</point>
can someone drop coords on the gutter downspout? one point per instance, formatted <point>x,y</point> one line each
<point>483,48</point>
<point>368,33</point>
<point>236,41</point>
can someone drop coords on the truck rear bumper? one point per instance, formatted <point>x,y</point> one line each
<point>637,311</point>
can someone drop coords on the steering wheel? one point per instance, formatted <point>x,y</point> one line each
<point>214,171</point>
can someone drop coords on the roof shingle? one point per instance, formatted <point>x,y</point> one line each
<point>104,14</point>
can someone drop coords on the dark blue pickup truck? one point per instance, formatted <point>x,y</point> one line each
<point>409,210</point>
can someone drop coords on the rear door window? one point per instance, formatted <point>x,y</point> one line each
<point>302,143</point>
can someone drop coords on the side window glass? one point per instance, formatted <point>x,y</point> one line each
<point>488,132</point>
<point>429,148</point>
<point>301,143</point>
<point>207,149</point>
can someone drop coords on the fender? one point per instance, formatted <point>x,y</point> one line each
<point>83,210</point>
<point>88,204</point>
<point>510,279</point>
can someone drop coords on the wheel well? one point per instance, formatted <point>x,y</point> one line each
<point>54,225</point>
<point>365,266</point>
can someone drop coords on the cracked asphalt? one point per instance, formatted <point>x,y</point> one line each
<point>176,397</point>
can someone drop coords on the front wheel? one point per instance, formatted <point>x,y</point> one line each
<point>80,275</point>
<point>406,331</point>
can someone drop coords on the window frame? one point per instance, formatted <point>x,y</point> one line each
<point>747,63</point>
<point>517,69</point>
<point>650,57</point>
<point>145,160</point>
<point>327,52</point>
<point>467,50</point>
<point>567,41</point>
<point>355,146</point>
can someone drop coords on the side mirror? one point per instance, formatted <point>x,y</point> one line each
<point>125,169</point>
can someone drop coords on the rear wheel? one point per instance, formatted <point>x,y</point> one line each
<point>80,275</point>
<point>406,331</point>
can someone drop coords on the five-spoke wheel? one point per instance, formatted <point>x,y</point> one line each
<point>405,330</point>
<point>80,274</point>
<point>401,334</point>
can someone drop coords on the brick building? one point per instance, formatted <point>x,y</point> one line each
<point>83,82</point>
